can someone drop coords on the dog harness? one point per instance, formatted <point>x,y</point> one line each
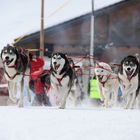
<point>18,73</point>
<point>59,79</point>
<point>129,77</point>
<point>103,83</point>
<point>12,76</point>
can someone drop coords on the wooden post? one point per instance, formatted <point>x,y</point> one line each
<point>42,30</point>
<point>92,41</point>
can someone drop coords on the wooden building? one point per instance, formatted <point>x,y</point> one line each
<point>117,33</point>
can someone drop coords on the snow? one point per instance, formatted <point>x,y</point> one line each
<point>82,123</point>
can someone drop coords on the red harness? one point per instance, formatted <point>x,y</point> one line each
<point>103,83</point>
<point>59,80</point>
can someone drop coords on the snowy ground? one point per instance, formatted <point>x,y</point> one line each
<point>83,123</point>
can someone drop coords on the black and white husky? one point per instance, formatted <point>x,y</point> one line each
<point>62,78</point>
<point>16,70</point>
<point>129,75</point>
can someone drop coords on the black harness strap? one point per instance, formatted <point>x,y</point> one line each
<point>12,76</point>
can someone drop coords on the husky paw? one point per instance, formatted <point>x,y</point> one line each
<point>61,107</point>
<point>14,100</point>
<point>126,107</point>
<point>20,104</point>
<point>29,99</point>
<point>11,102</point>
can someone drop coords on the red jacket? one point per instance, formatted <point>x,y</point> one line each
<point>36,69</point>
<point>38,86</point>
<point>36,64</point>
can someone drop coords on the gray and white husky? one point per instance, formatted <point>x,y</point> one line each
<point>129,75</point>
<point>16,69</point>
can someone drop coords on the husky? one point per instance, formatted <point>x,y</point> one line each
<point>108,83</point>
<point>16,62</point>
<point>62,79</point>
<point>129,75</point>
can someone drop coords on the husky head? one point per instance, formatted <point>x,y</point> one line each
<point>129,66</point>
<point>9,55</point>
<point>59,62</point>
<point>102,71</point>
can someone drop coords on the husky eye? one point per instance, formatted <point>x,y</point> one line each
<point>126,63</point>
<point>132,64</point>
<point>101,70</point>
<point>97,70</point>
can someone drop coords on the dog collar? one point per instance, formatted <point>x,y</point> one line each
<point>14,66</point>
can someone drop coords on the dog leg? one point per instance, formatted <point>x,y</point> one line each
<point>12,92</point>
<point>137,102</point>
<point>20,104</point>
<point>77,95</point>
<point>115,97</point>
<point>101,93</point>
<point>132,88</point>
<point>128,100</point>
<point>28,94</point>
<point>106,101</point>
<point>76,98</point>
<point>63,100</point>
<point>28,91</point>
<point>131,92</point>
<point>132,100</point>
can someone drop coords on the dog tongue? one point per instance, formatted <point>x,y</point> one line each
<point>100,77</point>
<point>129,73</point>
<point>57,66</point>
<point>5,61</point>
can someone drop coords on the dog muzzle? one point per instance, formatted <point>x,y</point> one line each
<point>7,61</point>
<point>56,66</point>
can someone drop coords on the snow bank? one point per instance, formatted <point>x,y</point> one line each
<point>43,123</point>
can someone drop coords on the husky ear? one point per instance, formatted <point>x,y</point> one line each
<point>66,55</point>
<point>137,56</point>
<point>121,66</point>
<point>16,51</point>
<point>52,55</point>
<point>1,52</point>
<point>51,66</point>
<point>97,64</point>
<point>66,65</point>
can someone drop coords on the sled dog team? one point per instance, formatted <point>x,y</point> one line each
<point>62,78</point>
